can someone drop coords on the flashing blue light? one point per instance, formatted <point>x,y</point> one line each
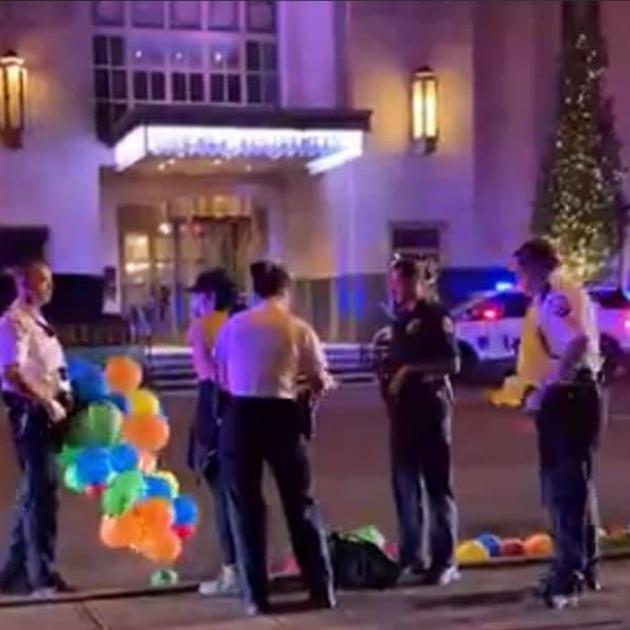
<point>504,286</point>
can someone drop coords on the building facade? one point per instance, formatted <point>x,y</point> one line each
<point>165,136</point>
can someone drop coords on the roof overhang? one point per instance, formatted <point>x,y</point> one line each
<point>323,139</point>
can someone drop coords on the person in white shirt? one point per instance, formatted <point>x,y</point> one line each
<point>567,407</point>
<point>259,355</point>
<point>36,391</point>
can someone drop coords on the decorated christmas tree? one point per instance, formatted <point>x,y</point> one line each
<point>580,204</point>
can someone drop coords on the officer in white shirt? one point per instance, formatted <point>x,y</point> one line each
<point>36,391</point>
<point>260,353</point>
<point>567,407</point>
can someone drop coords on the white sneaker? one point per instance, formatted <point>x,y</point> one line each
<point>226,585</point>
<point>563,602</point>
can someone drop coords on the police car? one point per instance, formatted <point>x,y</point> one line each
<point>488,326</point>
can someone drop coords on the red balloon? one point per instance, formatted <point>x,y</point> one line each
<point>184,531</point>
<point>512,547</point>
<point>95,491</point>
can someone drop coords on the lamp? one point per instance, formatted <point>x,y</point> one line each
<point>12,99</point>
<point>424,109</point>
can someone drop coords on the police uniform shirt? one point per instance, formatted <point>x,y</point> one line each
<point>563,312</point>
<point>423,334</point>
<point>30,343</point>
<point>261,352</point>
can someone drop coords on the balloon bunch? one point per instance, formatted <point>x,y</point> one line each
<point>110,453</point>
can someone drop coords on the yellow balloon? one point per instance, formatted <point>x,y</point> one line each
<point>471,552</point>
<point>170,479</point>
<point>144,403</point>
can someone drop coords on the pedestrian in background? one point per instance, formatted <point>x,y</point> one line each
<point>567,407</point>
<point>213,297</point>
<point>260,354</point>
<point>422,354</point>
<point>36,391</point>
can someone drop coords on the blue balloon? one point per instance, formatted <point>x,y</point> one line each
<point>78,368</point>
<point>119,401</point>
<point>93,466</point>
<point>492,544</point>
<point>90,387</point>
<point>124,458</point>
<point>156,487</point>
<point>186,510</point>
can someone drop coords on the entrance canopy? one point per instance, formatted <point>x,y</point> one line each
<point>317,139</point>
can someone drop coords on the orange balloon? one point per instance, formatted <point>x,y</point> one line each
<point>147,462</point>
<point>146,433</point>
<point>123,375</point>
<point>163,548</point>
<point>155,514</point>
<point>121,531</point>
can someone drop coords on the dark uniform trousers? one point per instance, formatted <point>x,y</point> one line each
<point>203,459</point>
<point>30,559</point>
<point>259,430</point>
<point>568,429</point>
<point>420,441</point>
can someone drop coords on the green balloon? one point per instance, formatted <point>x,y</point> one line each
<point>71,479</point>
<point>164,577</point>
<point>122,493</point>
<point>67,457</point>
<point>99,425</point>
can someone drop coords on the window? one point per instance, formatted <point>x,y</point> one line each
<point>147,13</point>
<point>185,14</point>
<point>225,75</point>
<point>415,237</point>
<point>223,15</point>
<point>148,60</point>
<point>187,77</point>
<point>110,80</point>
<point>108,12</point>
<point>261,16</point>
<point>262,73</point>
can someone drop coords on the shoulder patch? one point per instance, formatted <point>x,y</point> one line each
<point>413,326</point>
<point>560,305</point>
<point>448,325</point>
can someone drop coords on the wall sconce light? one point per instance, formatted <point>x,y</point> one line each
<point>424,109</point>
<point>12,99</point>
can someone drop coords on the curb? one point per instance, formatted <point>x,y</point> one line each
<point>192,586</point>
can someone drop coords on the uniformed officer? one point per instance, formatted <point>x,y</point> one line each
<point>37,393</point>
<point>567,408</point>
<point>422,355</point>
<point>260,353</point>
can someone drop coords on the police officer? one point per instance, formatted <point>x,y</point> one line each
<point>422,354</point>
<point>260,353</point>
<point>567,409</point>
<point>37,393</point>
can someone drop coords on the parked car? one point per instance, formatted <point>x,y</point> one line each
<point>488,326</point>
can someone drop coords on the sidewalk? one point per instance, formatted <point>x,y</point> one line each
<point>490,599</point>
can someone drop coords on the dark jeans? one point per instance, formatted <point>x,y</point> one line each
<point>30,558</point>
<point>256,431</point>
<point>203,459</point>
<point>568,429</point>
<point>420,444</point>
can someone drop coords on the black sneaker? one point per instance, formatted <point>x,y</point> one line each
<point>592,583</point>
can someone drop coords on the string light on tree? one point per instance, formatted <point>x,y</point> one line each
<point>580,204</point>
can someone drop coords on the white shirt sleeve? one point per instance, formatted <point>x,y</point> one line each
<point>13,343</point>
<point>313,361</point>
<point>220,355</point>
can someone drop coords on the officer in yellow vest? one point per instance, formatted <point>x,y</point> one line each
<point>567,406</point>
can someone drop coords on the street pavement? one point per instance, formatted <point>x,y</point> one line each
<point>496,484</point>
